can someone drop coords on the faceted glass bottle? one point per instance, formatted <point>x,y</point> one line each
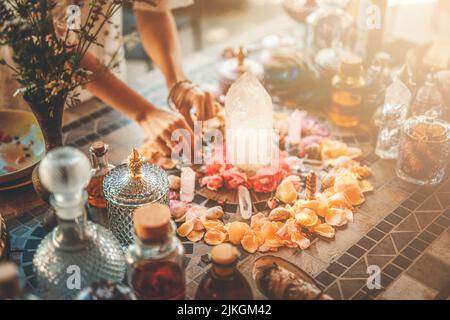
<point>100,168</point>
<point>347,93</point>
<point>223,281</point>
<point>155,270</point>
<point>77,252</point>
<point>375,90</point>
<point>428,99</point>
<point>10,285</point>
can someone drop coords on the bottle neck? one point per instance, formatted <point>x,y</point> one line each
<point>156,250</point>
<point>71,232</point>
<point>99,162</point>
<point>224,271</point>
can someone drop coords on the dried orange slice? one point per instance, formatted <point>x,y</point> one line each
<point>185,228</point>
<point>195,236</point>
<point>324,230</point>
<point>214,237</point>
<point>236,231</point>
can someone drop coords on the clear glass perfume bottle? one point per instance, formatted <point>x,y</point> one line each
<point>129,186</point>
<point>77,252</point>
<point>155,270</point>
<point>375,89</point>
<point>223,281</point>
<point>11,287</point>
<point>100,168</point>
<point>392,117</point>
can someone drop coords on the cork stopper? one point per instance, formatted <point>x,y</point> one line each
<point>152,222</point>
<point>135,164</point>
<point>99,148</point>
<point>224,254</point>
<point>352,65</point>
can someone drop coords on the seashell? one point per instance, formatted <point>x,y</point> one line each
<point>198,224</point>
<point>195,236</point>
<point>213,225</point>
<point>307,218</point>
<point>296,181</point>
<point>279,214</point>
<point>250,242</point>
<point>214,212</point>
<point>338,200</point>
<point>348,184</point>
<point>300,239</point>
<point>195,211</point>
<point>185,228</point>
<point>214,237</point>
<point>324,230</point>
<point>336,217</point>
<point>178,208</point>
<point>257,220</point>
<point>174,182</point>
<point>313,151</point>
<point>286,192</point>
<point>365,186</point>
<point>272,203</point>
<point>279,279</point>
<point>327,181</point>
<point>362,171</point>
<point>269,229</point>
<point>236,231</point>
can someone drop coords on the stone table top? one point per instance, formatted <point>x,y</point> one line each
<point>402,229</point>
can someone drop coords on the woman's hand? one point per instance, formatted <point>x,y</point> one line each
<point>186,96</point>
<point>159,126</point>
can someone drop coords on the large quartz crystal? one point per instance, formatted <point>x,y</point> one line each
<point>249,123</point>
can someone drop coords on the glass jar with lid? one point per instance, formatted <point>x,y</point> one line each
<point>424,150</point>
<point>129,186</point>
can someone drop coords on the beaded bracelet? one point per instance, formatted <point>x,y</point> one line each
<point>170,101</point>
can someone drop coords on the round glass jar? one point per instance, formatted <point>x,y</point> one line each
<point>129,186</point>
<point>424,151</point>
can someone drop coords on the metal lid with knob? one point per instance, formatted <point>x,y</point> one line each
<point>136,182</point>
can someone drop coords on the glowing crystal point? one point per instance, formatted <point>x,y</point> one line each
<point>249,123</point>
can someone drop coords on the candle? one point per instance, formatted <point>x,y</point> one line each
<point>249,124</point>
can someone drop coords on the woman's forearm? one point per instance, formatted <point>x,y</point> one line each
<point>160,40</point>
<point>114,92</point>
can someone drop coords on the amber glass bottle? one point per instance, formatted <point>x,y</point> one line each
<point>155,269</point>
<point>223,281</point>
<point>347,93</point>
<point>100,168</point>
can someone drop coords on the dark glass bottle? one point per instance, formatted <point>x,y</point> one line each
<point>100,168</point>
<point>347,93</point>
<point>155,259</point>
<point>223,281</point>
<point>10,285</point>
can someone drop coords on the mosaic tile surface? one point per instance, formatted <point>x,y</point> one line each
<point>402,229</point>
